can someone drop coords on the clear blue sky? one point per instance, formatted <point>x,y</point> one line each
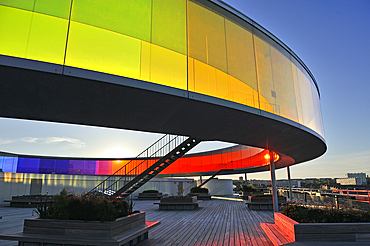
<point>332,37</point>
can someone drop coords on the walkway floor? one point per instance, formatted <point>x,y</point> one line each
<point>216,222</point>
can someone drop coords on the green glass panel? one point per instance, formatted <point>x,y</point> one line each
<point>169,24</point>
<point>207,42</point>
<point>240,54</point>
<point>14,31</point>
<point>58,8</point>
<point>20,4</point>
<point>129,17</point>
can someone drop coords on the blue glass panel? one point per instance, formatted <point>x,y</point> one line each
<point>61,166</point>
<point>89,168</point>
<point>47,166</point>
<point>76,167</point>
<point>10,164</point>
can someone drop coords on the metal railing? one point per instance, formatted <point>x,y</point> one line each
<point>139,164</point>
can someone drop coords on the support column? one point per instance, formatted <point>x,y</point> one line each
<point>290,183</point>
<point>245,178</point>
<point>273,182</point>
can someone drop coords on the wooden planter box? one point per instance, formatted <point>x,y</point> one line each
<point>287,230</point>
<point>179,203</point>
<point>150,196</point>
<point>128,230</point>
<point>201,196</point>
<point>27,201</point>
<point>263,202</point>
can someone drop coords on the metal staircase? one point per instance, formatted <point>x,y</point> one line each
<point>146,165</point>
<point>214,175</point>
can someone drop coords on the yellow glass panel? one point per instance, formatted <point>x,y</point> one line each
<point>191,85</point>
<point>145,61</point>
<point>284,85</point>
<point>206,36</point>
<point>240,54</point>
<point>223,90</point>
<point>297,93</point>
<point>204,79</point>
<point>104,51</point>
<point>264,75</point>
<point>14,31</point>
<point>308,112</point>
<point>168,67</point>
<point>47,39</point>
<point>242,93</point>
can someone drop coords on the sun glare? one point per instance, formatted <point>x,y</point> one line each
<point>117,152</point>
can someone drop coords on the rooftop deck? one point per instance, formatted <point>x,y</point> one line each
<point>216,222</point>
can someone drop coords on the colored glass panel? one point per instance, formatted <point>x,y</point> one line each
<point>104,51</point>
<point>61,166</point>
<point>206,36</point>
<point>264,74</point>
<point>305,91</point>
<point>168,67</point>
<point>129,17</point>
<point>284,85</point>
<point>169,24</point>
<point>47,166</point>
<point>28,165</point>
<point>47,39</point>
<point>14,31</point>
<point>240,54</point>
<point>58,8</point>
<point>20,4</point>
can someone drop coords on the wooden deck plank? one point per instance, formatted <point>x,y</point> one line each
<point>216,222</point>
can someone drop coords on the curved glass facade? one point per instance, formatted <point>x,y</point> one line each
<point>237,158</point>
<point>199,47</point>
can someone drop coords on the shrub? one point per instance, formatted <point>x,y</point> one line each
<point>150,191</point>
<point>304,214</point>
<point>198,190</point>
<point>90,207</point>
<point>247,188</point>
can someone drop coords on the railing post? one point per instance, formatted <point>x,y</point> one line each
<point>290,183</point>
<point>273,182</point>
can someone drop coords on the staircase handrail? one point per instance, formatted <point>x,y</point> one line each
<point>138,158</point>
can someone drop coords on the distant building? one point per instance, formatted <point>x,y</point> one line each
<point>353,179</point>
<point>349,181</point>
<point>361,176</point>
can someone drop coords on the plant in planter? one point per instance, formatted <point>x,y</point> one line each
<point>150,195</point>
<point>199,190</point>
<point>88,207</point>
<point>314,214</point>
<point>87,219</point>
<point>150,191</point>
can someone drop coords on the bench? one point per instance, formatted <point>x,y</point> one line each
<point>282,231</point>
